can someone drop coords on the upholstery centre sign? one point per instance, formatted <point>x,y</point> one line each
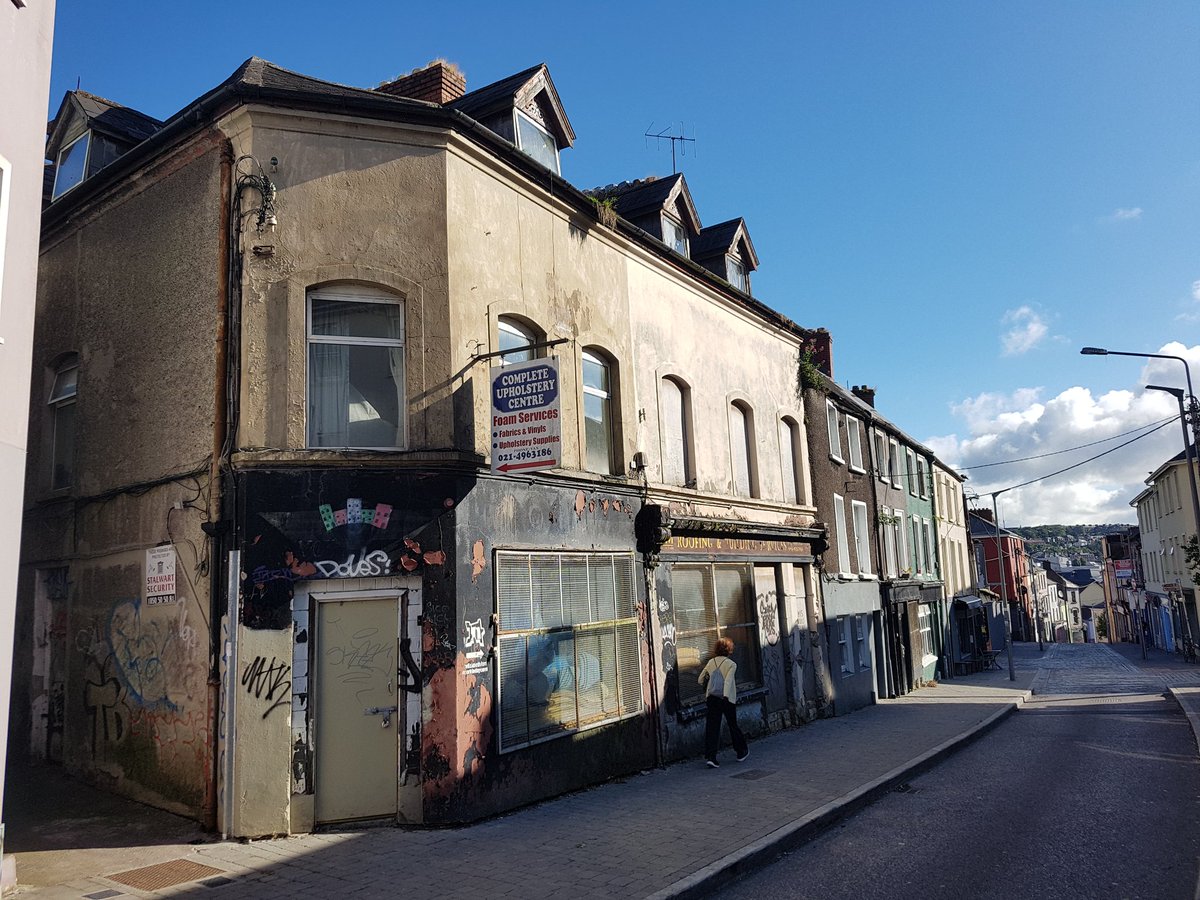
<point>526,428</point>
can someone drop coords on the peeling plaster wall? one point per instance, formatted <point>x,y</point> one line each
<point>131,286</point>
<point>262,784</point>
<point>356,201</point>
<point>465,776</point>
<point>515,252</point>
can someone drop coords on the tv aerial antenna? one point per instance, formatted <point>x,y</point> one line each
<point>678,141</point>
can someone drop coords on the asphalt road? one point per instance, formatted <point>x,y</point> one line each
<point>1091,790</point>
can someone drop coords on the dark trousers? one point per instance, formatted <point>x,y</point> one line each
<point>718,707</point>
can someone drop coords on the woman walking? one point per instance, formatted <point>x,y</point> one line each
<point>721,695</point>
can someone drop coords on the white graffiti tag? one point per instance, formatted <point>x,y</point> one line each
<point>374,563</point>
<point>473,635</point>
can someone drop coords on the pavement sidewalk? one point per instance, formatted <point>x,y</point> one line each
<point>674,832</point>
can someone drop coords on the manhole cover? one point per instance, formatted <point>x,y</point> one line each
<point>753,774</point>
<point>164,875</point>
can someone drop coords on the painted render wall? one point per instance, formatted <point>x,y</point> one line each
<point>26,39</point>
<point>113,687</point>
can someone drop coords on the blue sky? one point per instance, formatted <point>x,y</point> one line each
<point>963,193</point>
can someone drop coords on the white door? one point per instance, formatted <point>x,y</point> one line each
<point>357,717</point>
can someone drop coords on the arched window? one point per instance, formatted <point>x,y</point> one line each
<point>741,450</point>
<point>356,383</point>
<point>677,464</point>
<point>600,449</point>
<point>514,336</point>
<point>62,426</point>
<point>789,459</point>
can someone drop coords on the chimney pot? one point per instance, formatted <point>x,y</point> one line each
<point>865,394</point>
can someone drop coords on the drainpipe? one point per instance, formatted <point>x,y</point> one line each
<point>220,431</point>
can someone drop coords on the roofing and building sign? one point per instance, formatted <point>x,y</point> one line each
<point>160,575</point>
<point>526,428</point>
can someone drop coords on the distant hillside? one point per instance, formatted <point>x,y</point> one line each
<point>1078,543</point>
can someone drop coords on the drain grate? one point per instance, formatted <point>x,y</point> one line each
<point>753,774</point>
<point>164,875</point>
<point>905,788</point>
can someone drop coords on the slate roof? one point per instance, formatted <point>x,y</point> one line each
<point>634,198</point>
<point>115,119</point>
<point>491,97</point>
<point>715,239</point>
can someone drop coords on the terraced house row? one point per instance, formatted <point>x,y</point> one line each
<point>381,472</point>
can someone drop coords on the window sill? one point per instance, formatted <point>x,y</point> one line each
<point>867,576</point>
<point>859,469</point>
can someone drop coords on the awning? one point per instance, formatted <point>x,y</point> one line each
<point>969,602</point>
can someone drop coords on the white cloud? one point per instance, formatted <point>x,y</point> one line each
<point>1026,331</point>
<point>1192,311</point>
<point>1026,433</point>
<point>1123,214</point>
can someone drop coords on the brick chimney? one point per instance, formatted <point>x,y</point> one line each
<point>439,82</point>
<point>820,343</point>
<point>865,394</point>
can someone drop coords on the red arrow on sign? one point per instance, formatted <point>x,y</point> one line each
<point>508,467</point>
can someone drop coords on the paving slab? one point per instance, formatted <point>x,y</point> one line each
<point>678,831</point>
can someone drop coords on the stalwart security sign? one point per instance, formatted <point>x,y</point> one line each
<point>526,432</point>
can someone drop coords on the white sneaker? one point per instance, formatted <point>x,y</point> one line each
<point>743,756</point>
<point>712,764</point>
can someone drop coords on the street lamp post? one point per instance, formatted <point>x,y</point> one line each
<point>1192,413</point>
<point>1189,455</point>
<point>1012,675</point>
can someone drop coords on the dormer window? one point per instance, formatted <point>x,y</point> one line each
<point>674,236</point>
<point>72,165</point>
<point>536,142</point>
<point>737,273</point>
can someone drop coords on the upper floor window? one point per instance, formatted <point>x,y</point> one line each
<point>674,235</point>
<point>910,471</point>
<point>789,459</point>
<point>855,445</point>
<point>356,385</point>
<point>835,438</point>
<point>894,463</point>
<point>922,487</point>
<point>741,448</point>
<point>536,142</point>
<point>881,455</point>
<point>862,536</point>
<point>843,537</point>
<point>62,412</point>
<point>677,465</point>
<point>515,339</point>
<point>737,273</point>
<point>72,165</point>
<point>597,413</point>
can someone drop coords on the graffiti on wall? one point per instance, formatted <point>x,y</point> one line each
<point>295,536</point>
<point>768,617</point>
<point>268,682</point>
<point>141,676</point>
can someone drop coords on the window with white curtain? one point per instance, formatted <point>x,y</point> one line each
<point>843,538</point>
<point>674,398</point>
<point>569,653</point>
<point>515,338</point>
<point>854,443</point>
<point>597,413</point>
<point>356,384</point>
<point>741,450</point>
<point>835,439</point>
